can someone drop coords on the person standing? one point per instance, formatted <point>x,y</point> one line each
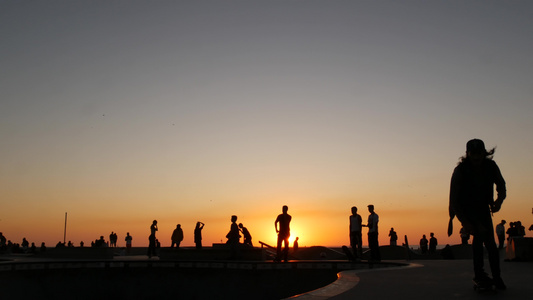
<point>423,245</point>
<point>177,237</point>
<point>373,243</point>
<point>152,240</point>
<point>128,242</point>
<point>295,244</point>
<point>234,238</point>
<point>284,233</point>
<point>432,243</point>
<point>500,232</point>
<point>472,201</point>
<point>393,237</point>
<point>198,235</point>
<point>356,238</point>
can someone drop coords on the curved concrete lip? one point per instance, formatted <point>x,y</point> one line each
<point>346,280</point>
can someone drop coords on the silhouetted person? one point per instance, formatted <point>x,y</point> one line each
<point>43,247</point>
<point>511,231</point>
<point>500,233</point>
<point>472,201</point>
<point>100,242</point>
<point>520,230</point>
<point>198,235</point>
<point>424,245</point>
<point>128,240</point>
<point>356,237</point>
<point>152,240</point>
<point>393,237</point>
<point>81,244</point>
<point>465,236</point>
<point>373,243</point>
<point>3,241</point>
<point>177,237</point>
<point>25,245</point>
<point>295,244</point>
<point>113,239</point>
<point>233,237</point>
<point>284,233</point>
<point>246,235</point>
<point>432,243</point>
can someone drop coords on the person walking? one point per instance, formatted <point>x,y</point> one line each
<point>472,202</point>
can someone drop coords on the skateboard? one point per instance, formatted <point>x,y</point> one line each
<point>484,286</point>
<point>348,253</point>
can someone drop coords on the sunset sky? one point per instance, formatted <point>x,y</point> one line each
<point>122,112</point>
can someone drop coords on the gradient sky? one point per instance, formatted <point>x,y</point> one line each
<point>122,112</point>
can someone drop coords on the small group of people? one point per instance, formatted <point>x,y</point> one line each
<point>113,239</point>
<point>356,240</point>
<point>234,234</point>
<point>6,246</point>
<point>432,243</point>
<point>234,237</point>
<point>516,230</point>
<point>176,238</point>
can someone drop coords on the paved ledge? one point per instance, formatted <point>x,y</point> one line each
<point>346,281</point>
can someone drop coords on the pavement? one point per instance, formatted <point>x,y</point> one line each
<point>428,279</point>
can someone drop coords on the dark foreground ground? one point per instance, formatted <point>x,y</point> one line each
<point>161,283</point>
<point>137,277</point>
<point>141,278</point>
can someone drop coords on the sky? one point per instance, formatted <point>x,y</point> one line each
<point>123,112</point>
